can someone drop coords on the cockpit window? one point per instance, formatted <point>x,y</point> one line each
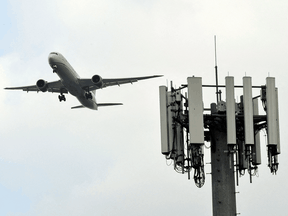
<point>54,53</point>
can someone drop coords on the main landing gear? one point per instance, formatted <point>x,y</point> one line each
<point>62,97</point>
<point>88,95</point>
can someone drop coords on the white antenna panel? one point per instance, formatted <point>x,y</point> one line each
<point>230,111</point>
<point>164,120</point>
<point>256,150</point>
<point>195,105</point>
<point>248,111</point>
<point>277,115</point>
<point>271,111</point>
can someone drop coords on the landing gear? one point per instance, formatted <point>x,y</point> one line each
<point>55,69</point>
<point>62,97</point>
<point>88,95</point>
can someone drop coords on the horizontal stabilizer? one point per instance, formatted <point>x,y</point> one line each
<point>99,105</point>
<point>108,104</point>
<point>76,107</point>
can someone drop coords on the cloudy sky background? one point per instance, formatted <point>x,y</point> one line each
<point>58,161</point>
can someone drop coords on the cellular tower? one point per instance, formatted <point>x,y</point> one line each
<point>231,127</point>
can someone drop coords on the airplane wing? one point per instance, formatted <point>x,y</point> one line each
<point>55,86</point>
<point>87,83</point>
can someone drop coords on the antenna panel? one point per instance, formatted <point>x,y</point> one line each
<point>256,150</point>
<point>178,97</point>
<point>164,120</point>
<point>271,111</point>
<point>242,158</point>
<point>230,111</point>
<point>277,115</point>
<point>248,111</point>
<point>170,108</point>
<point>195,105</point>
<point>179,131</point>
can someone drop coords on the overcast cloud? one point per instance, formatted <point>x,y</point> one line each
<point>58,161</point>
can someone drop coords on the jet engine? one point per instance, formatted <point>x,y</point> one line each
<point>42,85</point>
<point>97,80</point>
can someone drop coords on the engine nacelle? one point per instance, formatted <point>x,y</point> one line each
<point>42,85</point>
<point>97,80</point>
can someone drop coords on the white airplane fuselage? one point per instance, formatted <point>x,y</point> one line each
<point>70,79</point>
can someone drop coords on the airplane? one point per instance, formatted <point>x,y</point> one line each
<point>70,82</point>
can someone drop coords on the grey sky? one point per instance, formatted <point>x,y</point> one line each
<point>58,161</point>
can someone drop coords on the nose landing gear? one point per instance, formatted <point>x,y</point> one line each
<point>54,68</point>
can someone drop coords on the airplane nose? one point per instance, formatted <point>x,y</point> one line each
<point>52,58</point>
